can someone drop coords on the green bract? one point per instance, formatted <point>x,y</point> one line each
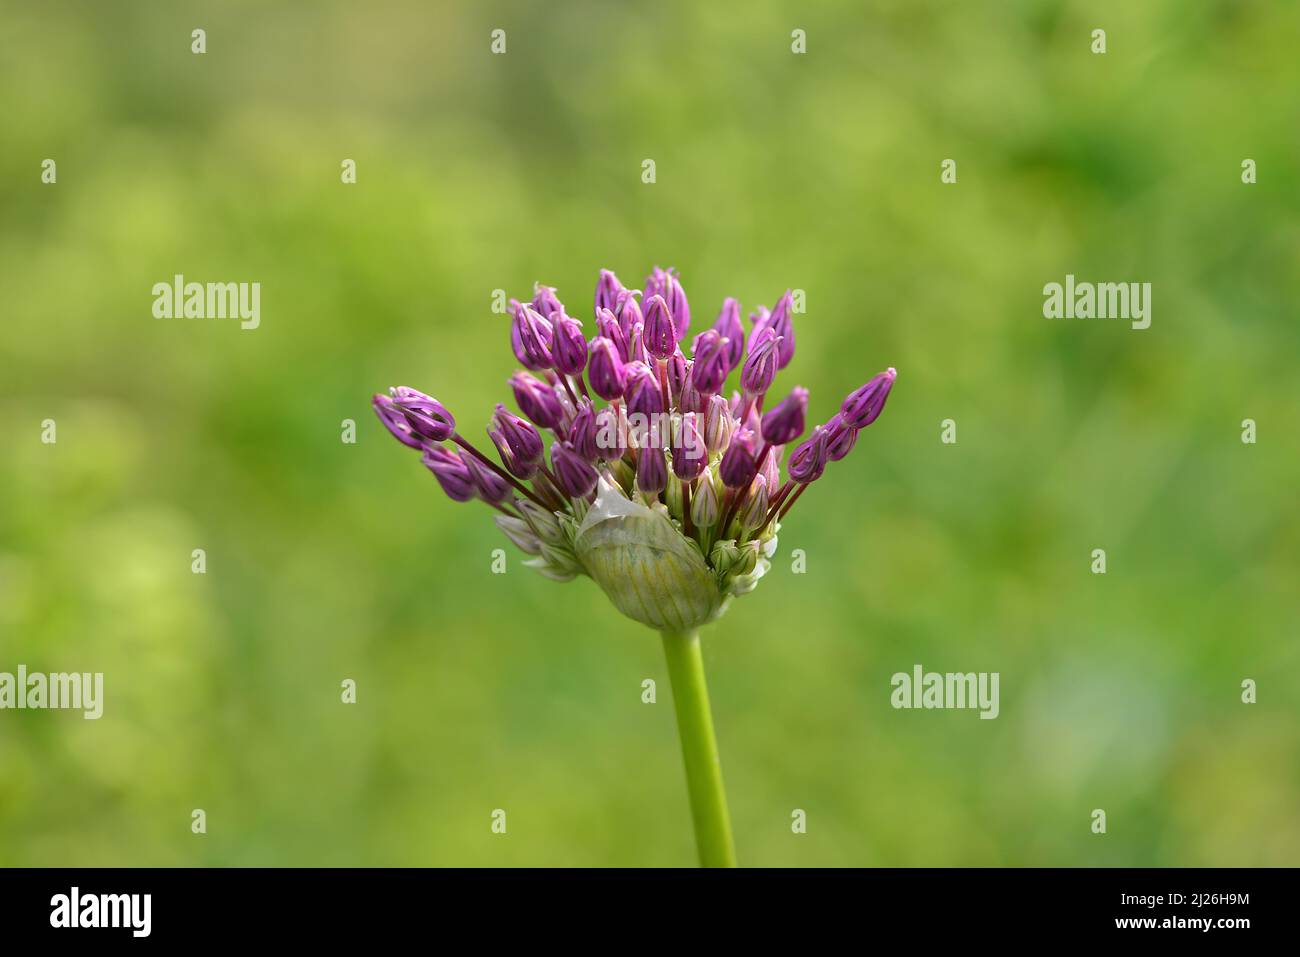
<point>648,568</point>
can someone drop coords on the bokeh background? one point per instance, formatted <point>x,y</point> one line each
<point>819,171</point>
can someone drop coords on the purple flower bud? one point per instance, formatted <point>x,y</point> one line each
<point>491,487</point>
<point>608,291</point>
<point>537,400</point>
<point>651,471</point>
<point>676,376</point>
<point>424,414</point>
<point>568,345</point>
<point>752,422</point>
<point>770,467</point>
<point>864,405</point>
<point>784,421</point>
<point>783,326</point>
<point>574,473</point>
<point>659,333</point>
<point>759,371</point>
<point>642,393</point>
<point>690,454</point>
<point>690,398</point>
<point>628,313</point>
<point>611,433</point>
<point>656,284</point>
<point>524,441</point>
<point>808,461</point>
<point>516,344</point>
<point>546,302</point>
<point>749,438</point>
<point>395,421</point>
<point>738,467</point>
<point>533,332</point>
<point>759,320</point>
<point>636,351</point>
<point>568,409</point>
<point>728,326</point>
<point>840,439</point>
<point>664,282</point>
<point>704,503</point>
<point>608,327</point>
<point>450,471</point>
<point>583,432</point>
<point>677,305</point>
<point>718,423</point>
<point>710,364</point>
<point>754,513</point>
<point>607,373</point>
<point>516,467</point>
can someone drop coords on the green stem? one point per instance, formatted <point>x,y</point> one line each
<point>699,749</point>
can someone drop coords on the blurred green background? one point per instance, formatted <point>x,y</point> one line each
<point>819,171</point>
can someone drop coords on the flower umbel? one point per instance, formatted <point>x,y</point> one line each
<point>656,485</point>
<point>627,475</point>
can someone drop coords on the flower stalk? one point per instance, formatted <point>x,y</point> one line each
<point>699,749</point>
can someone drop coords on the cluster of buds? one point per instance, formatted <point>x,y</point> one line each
<point>657,484</point>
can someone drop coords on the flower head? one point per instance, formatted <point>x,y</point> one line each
<point>671,495</point>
